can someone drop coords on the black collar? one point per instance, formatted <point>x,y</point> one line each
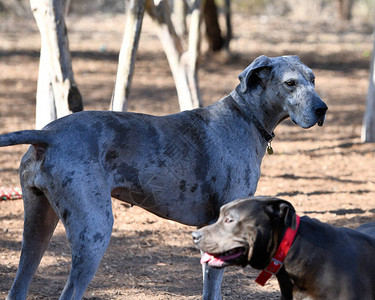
<point>251,118</point>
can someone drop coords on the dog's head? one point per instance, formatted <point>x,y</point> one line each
<point>286,83</point>
<point>247,232</point>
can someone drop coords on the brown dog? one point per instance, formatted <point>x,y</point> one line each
<point>323,262</point>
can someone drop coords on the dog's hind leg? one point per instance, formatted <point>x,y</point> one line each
<point>88,221</point>
<point>40,221</point>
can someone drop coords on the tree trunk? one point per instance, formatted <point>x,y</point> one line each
<point>179,13</point>
<point>125,69</point>
<point>45,101</point>
<point>183,64</point>
<point>228,22</point>
<point>344,9</point>
<point>368,128</point>
<point>55,69</point>
<point>213,32</point>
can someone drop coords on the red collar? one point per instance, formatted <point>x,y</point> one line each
<point>278,260</point>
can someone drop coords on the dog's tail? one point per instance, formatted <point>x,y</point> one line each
<point>35,137</point>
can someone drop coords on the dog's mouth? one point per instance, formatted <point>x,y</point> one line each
<point>321,120</point>
<point>236,256</point>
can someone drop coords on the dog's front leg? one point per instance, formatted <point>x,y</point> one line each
<point>212,279</point>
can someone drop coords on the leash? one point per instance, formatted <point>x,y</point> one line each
<point>278,260</point>
<point>10,193</point>
<point>251,118</point>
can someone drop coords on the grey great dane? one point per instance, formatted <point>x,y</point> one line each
<point>323,262</point>
<point>182,167</point>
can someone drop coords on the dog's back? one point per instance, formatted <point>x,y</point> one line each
<point>342,268</point>
<point>368,228</point>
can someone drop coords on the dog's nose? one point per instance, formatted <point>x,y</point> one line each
<point>197,236</point>
<point>321,110</point>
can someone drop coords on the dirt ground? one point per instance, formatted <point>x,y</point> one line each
<point>324,171</point>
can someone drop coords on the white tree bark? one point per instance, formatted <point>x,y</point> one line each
<point>183,64</point>
<point>179,17</point>
<point>45,101</point>
<point>55,69</point>
<point>194,51</point>
<point>368,127</point>
<point>125,70</point>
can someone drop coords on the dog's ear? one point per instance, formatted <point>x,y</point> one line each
<point>282,210</point>
<point>251,241</point>
<point>259,69</point>
<point>295,57</point>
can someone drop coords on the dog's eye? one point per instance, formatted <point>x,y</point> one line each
<point>228,220</point>
<point>290,82</point>
<point>313,81</point>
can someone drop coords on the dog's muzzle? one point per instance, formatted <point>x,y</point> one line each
<point>320,112</point>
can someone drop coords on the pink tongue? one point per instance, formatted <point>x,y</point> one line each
<point>211,260</point>
<point>206,258</point>
<point>217,261</point>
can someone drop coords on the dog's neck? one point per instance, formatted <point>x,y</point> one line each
<point>279,249</point>
<point>303,254</point>
<point>256,103</point>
